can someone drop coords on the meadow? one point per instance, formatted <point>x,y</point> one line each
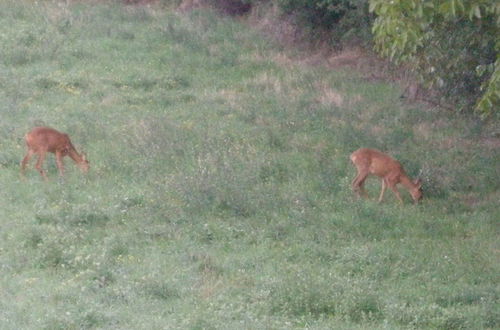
<point>219,191</point>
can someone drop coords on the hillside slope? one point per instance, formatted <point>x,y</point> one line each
<point>219,191</point>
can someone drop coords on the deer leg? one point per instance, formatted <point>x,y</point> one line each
<point>358,184</point>
<point>396,192</point>
<point>382,191</point>
<point>59,162</point>
<point>25,161</point>
<point>362,187</point>
<point>39,162</point>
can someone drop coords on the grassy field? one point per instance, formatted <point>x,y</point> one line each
<point>219,192</point>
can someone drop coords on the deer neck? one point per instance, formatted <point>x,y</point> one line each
<point>405,181</point>
<point>75,156</point>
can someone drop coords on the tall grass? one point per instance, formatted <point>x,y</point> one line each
<point>219,191</point>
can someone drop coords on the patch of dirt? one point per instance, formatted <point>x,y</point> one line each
<point>427,129</point>
<point>329,96</point>
<point>187,5</point>
<point>492,143</point>
<point>349,58</point>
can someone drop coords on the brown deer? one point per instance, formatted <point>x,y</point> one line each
<point>371,161</point>
<point>41,140</point>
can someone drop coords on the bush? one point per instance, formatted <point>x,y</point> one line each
<point>342,20</point>
<point>227,7</point>
<point>439,42</point>
<point>232,7</point>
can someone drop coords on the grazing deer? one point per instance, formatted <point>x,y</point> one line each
<point>371,161</point>
<point>41,140</point>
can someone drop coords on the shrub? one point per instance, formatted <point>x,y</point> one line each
<point>227,7</point>
<point>342,20</point>
<point>438,39</point>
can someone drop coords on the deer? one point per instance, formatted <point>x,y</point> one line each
<point>41,140</point>
<point>374,162</point>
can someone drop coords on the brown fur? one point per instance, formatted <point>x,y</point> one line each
<point>374,162</point>
<point>41,140</point>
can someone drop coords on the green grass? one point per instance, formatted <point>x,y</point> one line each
<point>219,192</point>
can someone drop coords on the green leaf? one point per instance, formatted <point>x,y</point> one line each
<point>480,70</point>
<point>445,8</point>
<point>373,5</point>
<point>382,10</point>
<point>420,11</point>
<point>460,5</point>
<point>477,11</point>
<point>393,52</point>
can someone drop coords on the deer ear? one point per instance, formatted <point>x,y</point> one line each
<point>418,182</point>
